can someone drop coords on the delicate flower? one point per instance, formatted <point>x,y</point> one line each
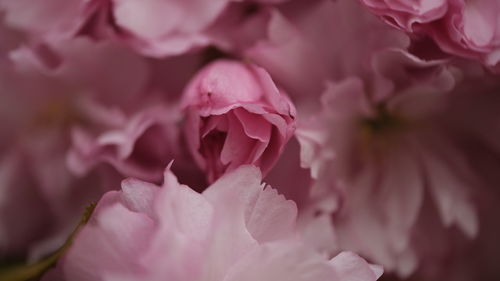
<point>51,19</point>
<point>406,14</point>
<point>153,27</point>
<point>166,27</point>
<point>140,146</point>
<point>385,162</point>
<point>237,229</point>
<point>156,28</point>
<point>468,29</point>
<point>40,105</point>
<point>309,42</point>
<point>235,116</point>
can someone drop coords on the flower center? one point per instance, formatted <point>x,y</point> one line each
<point>56,113</point>
<point>379,130</point>
<point>383,122</point>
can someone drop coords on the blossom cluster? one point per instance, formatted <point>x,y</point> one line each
<point>221,140</point>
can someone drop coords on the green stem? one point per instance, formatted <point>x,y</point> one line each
<point>27,272</point>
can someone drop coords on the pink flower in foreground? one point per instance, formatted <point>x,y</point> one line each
<point>236,115</point>
<point>469,29</point>
<point>237,229</point>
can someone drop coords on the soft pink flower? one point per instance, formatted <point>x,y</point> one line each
<point>472,119</point>
<point>238,229</point>
<point>242,24</point>
<point>468,29</point>
<point>236,115</point>
<point>118,111</point>
<point>43,88</point>
<point>391,166</point>
<point>140,146</point>
<point>407,14</point>
<point>52,19</point>
<point>38,210</point>
<point>156,28</point>
<point>153,27</point>
<point>166,27</point>
<point>309,42</point>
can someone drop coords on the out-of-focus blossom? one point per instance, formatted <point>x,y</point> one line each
<point>242,24</point>
<point>142,24</point>
<point>407,15</point>
<point>382,161</point>
<point>139,146</point>
<point>471,118</point>
<point>238,229</point>
<point>236,115</point>
<point>165,27</point>
<point>309,42</point>
<point>376,134</point>
<point>468,29</point>
<point>51,19</point>
<point>154,27</point>
<point>42,91</point>
<point>395,156</point>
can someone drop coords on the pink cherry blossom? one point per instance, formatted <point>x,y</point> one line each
<point>376,121</point>
<point>236,115</point>
<point>159,27</point>
<point>53,19</point>
<point>464,28</point>
<point>309,42</point>
<point>139,146</point>
<point>44,87</point>
<point>408,14</point>
<point>395,152</point>
<point>36,205</point>
<point>154,27</point>
<point>238,229</point>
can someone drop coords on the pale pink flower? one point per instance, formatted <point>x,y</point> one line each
<point>50,19</point>
<point>125,121</point>
<point>38,210</point>
<point>468,29</point>
<point>157,28</point>
<point>237,229</point>
<point>408,14</point>
<point>236,115</point>
<point>472,119</point>
<point>166,27</point>
<point>241,25</point>
<point>43,88</point>
<point>153,27</point>
<point>309,42</point>
<point>383,162</point>
<point>140,146</point>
